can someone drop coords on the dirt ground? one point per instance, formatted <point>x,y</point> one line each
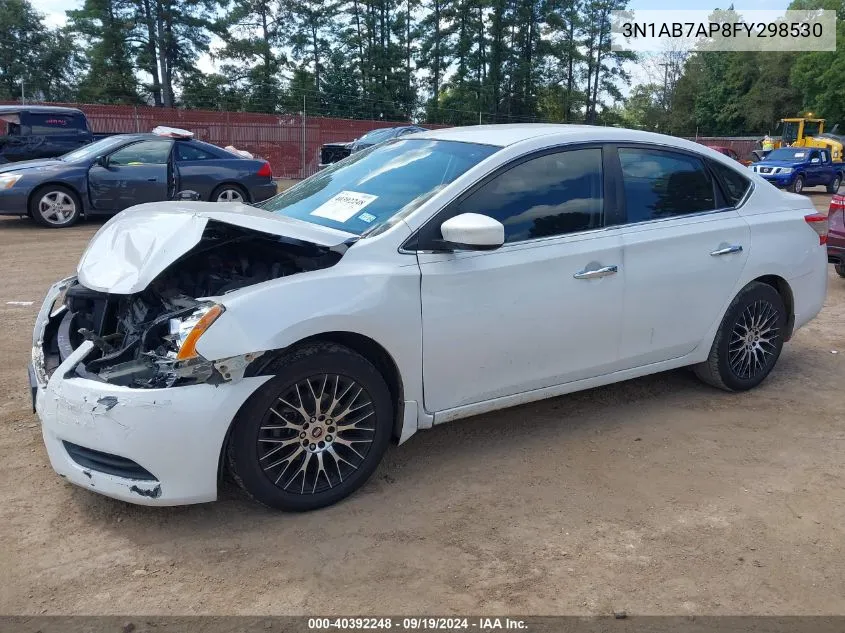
<point>654,496</point>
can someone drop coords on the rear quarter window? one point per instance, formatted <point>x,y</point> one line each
<point>734,184</point>
<point>46,124</point>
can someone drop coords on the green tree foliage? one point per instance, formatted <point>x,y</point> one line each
<point>45,60</point>
<point>106,27</point>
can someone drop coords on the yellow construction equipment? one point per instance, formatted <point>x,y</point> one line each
<point>807,132</point>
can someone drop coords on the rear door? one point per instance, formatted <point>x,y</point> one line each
<point>134,174</point>
<point>684,248</point>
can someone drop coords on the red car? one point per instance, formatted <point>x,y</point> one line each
<point>836,234</point>
<point>729,152</point>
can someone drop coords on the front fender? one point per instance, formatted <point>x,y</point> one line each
<point>381,302</point>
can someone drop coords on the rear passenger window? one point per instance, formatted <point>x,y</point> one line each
<point>185,152</point>
<point>550,195</point>
<point>660,184</point>
<point>735,184</point>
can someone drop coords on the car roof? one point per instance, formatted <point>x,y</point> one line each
<point>13,109</point>
<point>506,134</point>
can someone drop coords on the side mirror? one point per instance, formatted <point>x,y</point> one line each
<point>815,161</point>
<point>103,161</point>
<point>187,195</point>
<point>473,231</point>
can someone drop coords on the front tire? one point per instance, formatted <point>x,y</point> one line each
<point>55,207</point>
<point>797,185</point>
<point>749,340</point>
<point>314,433</point>
<point>834,186</point>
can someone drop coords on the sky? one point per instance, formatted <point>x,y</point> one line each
<point>54,12</point>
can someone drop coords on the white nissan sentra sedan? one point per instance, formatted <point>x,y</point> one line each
<point>426,279</point>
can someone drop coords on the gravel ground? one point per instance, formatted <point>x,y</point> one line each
<point>653,496</point>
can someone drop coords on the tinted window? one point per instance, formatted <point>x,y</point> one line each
<point>54,123</point>
<point>662,184</point>
<point>375,185</point>
<point>185,152</point>
<point>550,195</point>
<point>143,153</point>
<point>734,183</point>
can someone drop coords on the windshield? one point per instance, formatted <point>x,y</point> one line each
<point>790,132</point>
<point>93,150</point>
<point>369,188</point>
<point>788,153</point>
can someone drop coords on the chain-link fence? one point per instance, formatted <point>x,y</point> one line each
<point>291,143</point>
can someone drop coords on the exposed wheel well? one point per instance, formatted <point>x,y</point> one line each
<point>359,343</point>
<point>63,185</point>
<point>782,286</point>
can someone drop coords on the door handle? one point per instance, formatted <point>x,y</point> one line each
<point>727,250</point>
<point>152,179</point>
<point>597,273</point>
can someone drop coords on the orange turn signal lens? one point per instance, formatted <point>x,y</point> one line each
<point>188,349</point>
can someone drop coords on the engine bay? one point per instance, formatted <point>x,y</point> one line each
<point>137,337</point>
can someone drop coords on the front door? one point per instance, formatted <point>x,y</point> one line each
<point>683,257</point>
<point>541,310</point>
<point>134,174</point>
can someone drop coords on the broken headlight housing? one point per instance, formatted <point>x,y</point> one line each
<point>185,332</point>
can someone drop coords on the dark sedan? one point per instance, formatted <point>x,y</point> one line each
<point>334,152</point>
<point>121,171</point>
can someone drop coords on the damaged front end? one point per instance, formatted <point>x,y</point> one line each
<point>148,339</point>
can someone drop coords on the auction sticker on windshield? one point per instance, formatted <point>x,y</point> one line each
<point>343,205</point>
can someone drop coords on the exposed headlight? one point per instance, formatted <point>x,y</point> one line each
<point>785,170</point>
<point>8,180</point>
<point>186,332</point>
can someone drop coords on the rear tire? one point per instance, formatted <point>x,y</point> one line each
<point>229,193</point>
<point>314,433</point>
<point>840,269</point>
<point>797,185</point>
<point>749,340</point>
<point>834,186</point>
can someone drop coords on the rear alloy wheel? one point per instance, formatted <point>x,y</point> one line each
<point>749,340</point>
<point>313,434</point>
<point>228,193</point>
<point>55,207</point>
<point>798,184</point>
<point>834,186</point>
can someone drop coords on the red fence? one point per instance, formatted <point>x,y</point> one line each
<point>289,143</point>
<point>742,145</point>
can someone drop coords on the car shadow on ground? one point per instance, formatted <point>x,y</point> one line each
<point>424,458</point>
<point>25,223</point>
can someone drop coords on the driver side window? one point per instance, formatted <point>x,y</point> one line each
<point>154,152</point>
<point>550,195</point>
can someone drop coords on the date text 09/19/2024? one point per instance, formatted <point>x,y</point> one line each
<point>418,623</point>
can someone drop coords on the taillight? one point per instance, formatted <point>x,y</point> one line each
<point>818,223</point>
<point>836,202</point>
<point>265,170</point>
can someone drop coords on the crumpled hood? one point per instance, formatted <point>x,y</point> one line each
<point>138,244</point>
<point>28,165</point>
